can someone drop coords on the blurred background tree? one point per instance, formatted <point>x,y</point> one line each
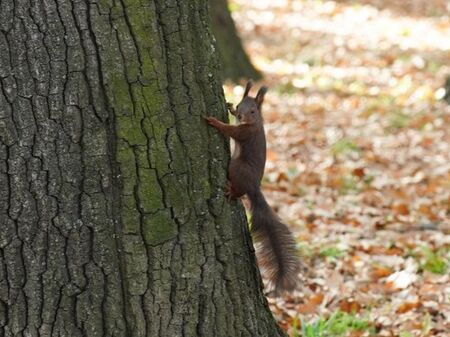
<point>447,90</point>
<point>235,62</point>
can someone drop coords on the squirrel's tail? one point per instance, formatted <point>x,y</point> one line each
<point>277,254</point>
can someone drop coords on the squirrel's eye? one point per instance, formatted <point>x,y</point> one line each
<point>253,111</point>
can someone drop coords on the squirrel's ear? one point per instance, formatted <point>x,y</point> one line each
<point>247,88</point>
<point>260,96</point>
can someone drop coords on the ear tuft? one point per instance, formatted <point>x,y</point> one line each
<point>248,87</point>
<point>260,96</point>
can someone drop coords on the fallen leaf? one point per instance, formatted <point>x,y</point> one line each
<point>400,209</point>
<point>378,272</point>
<point>349,305</point>
<point>310,306</point>
<point>407,306</point>
<point>359,172</point>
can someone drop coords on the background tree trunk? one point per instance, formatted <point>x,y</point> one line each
<point>447,90</point>
<point>235,62</point>
<point>112,215</point>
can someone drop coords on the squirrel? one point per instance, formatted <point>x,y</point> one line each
<point>276,246</point>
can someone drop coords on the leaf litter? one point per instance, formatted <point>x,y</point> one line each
<point>358,159</point>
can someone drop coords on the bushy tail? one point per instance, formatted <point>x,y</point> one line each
<point>276,251</point>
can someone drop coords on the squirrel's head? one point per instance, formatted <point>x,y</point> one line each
<point>249,109</point>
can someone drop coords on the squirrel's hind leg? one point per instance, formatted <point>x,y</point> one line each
<point>230,193</point>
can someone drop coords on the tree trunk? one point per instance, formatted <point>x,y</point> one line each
<point>235,62</point>
<point>112,215</point>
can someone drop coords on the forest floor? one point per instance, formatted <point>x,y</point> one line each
<point>358,159</point>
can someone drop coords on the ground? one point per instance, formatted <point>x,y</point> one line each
<point>358,159</point>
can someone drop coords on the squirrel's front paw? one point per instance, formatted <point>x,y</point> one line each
<point>211,121</point>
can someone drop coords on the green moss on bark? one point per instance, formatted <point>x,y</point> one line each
<point>157,228</point>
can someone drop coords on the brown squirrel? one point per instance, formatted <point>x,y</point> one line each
<point>277,254</point>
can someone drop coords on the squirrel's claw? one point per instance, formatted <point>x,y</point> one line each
<point>228,191</point>
<point>210,120</point>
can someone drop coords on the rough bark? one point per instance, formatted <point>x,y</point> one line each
<point>112,215</point>
<point>236,64</point>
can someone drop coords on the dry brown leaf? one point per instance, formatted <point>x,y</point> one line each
<point>350,306</point>
<point>379,272</point>
<point>310,178</point>
<point>407,306</point>
<point>414,325</point>
<point>400,209</point>
<point>359,172</point>
<point>380,250</point>
<point>310,306</point>
<point>311,226</point>
<point>282,177</point>
<point>426,210</point>
<point>271,155</point>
